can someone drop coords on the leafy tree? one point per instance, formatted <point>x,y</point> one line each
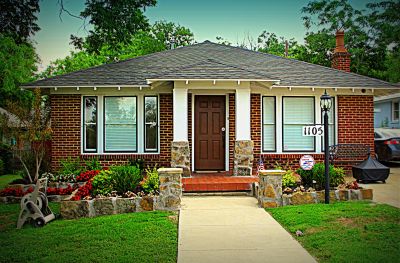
<point>18,19</point>
<point>141,44</point>
<point>114,22</point>
<point>18,63</point>
<point>31,126</point>
<point>170,33</point>
<point>370,35</point>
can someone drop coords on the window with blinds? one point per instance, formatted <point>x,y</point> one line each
<point>90,124</point>
<point>269,125</point>
<point>120,127</point>
<point>297,112</point>
<point>150,123</point>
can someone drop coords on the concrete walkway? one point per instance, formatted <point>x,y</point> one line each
<point>233,229</point>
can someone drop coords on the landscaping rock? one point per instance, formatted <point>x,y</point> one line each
<point>74,209</point>
<point>366,194</point>
<point>125,205</point>
<point>243,158</point>
<point>299,198</point>
<point>146,203</point>
<point>103,206</point>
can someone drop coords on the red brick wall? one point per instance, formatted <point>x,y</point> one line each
<point>356,120</point>
<point>232,129</point>
<point>272,160</point>
<point>66,127</point>
<point>255,123</point>
<point>66,122</point>
<point>341,61</point>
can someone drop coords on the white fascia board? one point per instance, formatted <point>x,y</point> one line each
<point>149,81</point>
<point>87,86</point>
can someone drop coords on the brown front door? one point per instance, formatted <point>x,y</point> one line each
<point>209,133</point>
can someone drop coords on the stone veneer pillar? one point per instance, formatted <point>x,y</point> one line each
<point>170,188</point>
<point>270,188</point>
<point>243,158</point>
<point>180,156</point>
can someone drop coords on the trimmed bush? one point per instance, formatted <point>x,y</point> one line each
<point>150,183</point>
<point>102,183</point>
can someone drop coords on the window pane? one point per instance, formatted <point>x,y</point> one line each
<point>90,110</point>
<point>268,123</point>
<point>151,125</point>
<point>294,141</point>
<point>120,123</point>
<point>151,137</point>
<point>297,113</point>
<point>151,109</point>
<point>90,124</point>
<point>269,137</point>
<point>298,110</point>
<point>91,137</point>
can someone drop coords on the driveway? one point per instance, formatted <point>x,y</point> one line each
<point>388,193</point>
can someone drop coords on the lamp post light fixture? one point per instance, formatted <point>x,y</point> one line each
<point>326,104</point>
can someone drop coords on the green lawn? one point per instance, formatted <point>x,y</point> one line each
<point>345,231</point>
<point>6,179</point>
<point>135,237</point>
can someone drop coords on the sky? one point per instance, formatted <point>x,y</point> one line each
<point>233,20</point>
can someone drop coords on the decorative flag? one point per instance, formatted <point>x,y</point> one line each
<point>260,165</point>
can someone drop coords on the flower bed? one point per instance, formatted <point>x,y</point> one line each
<point>169,198</point>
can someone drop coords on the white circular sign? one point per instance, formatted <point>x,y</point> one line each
<point>307,162</point>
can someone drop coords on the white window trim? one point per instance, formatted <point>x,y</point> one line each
<point>393,110</point>
<point>100,123</point>
<point>279,123</point>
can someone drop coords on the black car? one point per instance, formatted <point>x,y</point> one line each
<point>387,144</point>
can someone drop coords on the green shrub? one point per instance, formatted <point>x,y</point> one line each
<point>306,176</point>
<point>93,164</point>
<point>102,183</point>
<point>336,175</point>
<point>150,184</point>
<point>137,163</point>
<point>125,178</point>
<point>70,166</point>
<point>288,179</point>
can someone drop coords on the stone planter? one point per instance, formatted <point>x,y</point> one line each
<point>16,200</point>
<point>169,199</point>
<point>301,198</point>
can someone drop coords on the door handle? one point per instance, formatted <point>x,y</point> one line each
<point>223,136</point>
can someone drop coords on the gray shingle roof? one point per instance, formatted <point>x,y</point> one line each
<point>208,60</point>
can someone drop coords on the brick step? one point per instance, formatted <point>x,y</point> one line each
<point>218,183</point>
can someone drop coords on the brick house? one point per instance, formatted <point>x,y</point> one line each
<point>208,107</point>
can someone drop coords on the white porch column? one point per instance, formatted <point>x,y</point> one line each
<point>180,105</point>
<point>243,114</point>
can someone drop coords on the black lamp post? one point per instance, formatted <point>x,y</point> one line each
<point>326,104</point>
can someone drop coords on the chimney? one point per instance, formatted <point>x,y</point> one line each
<point>340,58</point>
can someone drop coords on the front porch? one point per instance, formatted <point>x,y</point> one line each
<point>218,182</point>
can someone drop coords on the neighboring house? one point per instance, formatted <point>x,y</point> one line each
<point>386,111</point>
<point>219,107</point>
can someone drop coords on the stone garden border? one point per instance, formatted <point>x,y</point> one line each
<point>169,199</point>
<point>269,192</point>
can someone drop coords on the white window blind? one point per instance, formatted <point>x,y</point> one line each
<point>297,112</point>
<point>120,124</point>
<point>268,121</point>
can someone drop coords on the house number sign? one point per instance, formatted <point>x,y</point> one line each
<point>313,130</point>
